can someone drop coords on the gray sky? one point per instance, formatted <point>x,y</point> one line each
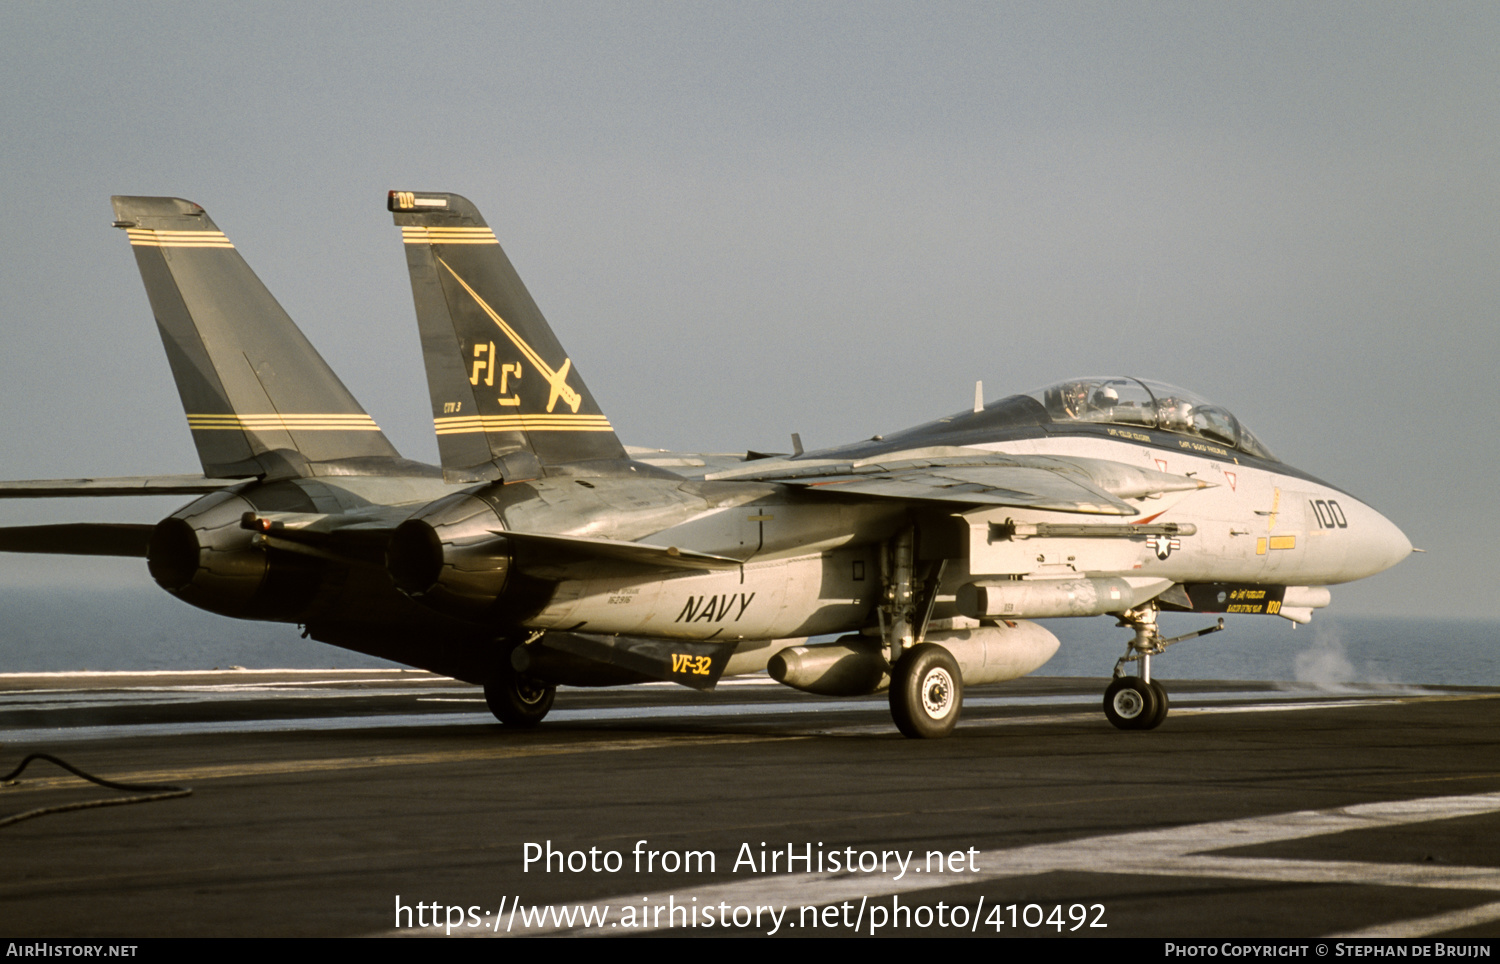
<point>749,220</point>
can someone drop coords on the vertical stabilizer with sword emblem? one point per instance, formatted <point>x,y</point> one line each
<point>506,399</point>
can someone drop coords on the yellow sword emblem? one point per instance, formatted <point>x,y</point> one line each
<point>558,380</point>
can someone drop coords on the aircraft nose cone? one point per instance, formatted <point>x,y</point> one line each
<point>1382,545</point>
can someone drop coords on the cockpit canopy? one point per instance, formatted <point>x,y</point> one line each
<point>1136,401</point>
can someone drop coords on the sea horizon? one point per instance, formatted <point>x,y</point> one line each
<point>143,629</point>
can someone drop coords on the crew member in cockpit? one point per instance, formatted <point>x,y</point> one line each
<point>1175,415</point>
<point>1102,403</point>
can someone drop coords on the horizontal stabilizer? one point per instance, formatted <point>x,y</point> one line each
<point>79,539</point>
<point>123,485</point>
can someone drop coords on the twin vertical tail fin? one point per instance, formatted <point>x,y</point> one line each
<point>259,398</point>
<point>506,399</point>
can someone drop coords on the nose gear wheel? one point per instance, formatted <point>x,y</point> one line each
<point>1132,703</point>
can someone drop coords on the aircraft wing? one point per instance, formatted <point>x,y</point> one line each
<point>976,485</point>
<point>976,477</point>
<point>124,485</point>
<point>693,465</point>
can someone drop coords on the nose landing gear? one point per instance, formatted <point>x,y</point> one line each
<point>1139,702</point>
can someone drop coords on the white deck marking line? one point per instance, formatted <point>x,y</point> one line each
<point>1427,926</point>
<point>1173,851</point>
<point>193,694</point>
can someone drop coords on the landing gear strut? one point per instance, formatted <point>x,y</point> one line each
<point>1139,702</point>
<point>927,687</point>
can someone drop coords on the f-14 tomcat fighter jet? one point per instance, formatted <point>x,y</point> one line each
<point>928,549</point>
<point>545,553</point>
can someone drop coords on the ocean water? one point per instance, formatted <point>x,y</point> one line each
<point>143,628</point>
<point>1332,649</point>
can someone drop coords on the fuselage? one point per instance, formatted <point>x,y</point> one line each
<point>809,558</point>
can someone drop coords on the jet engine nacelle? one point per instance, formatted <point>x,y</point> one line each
<point>855,666</point>
<point>203,556</point>
<point>449,557</point>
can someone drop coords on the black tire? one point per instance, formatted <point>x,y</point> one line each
<point>1160,692</point>
<point>518,700</point>
<point>1130,703</point>
<point>927,692</point>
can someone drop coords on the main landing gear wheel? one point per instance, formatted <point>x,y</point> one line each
<point>927,692</point>
<point>518,700</point>
<point>1131,703</point>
